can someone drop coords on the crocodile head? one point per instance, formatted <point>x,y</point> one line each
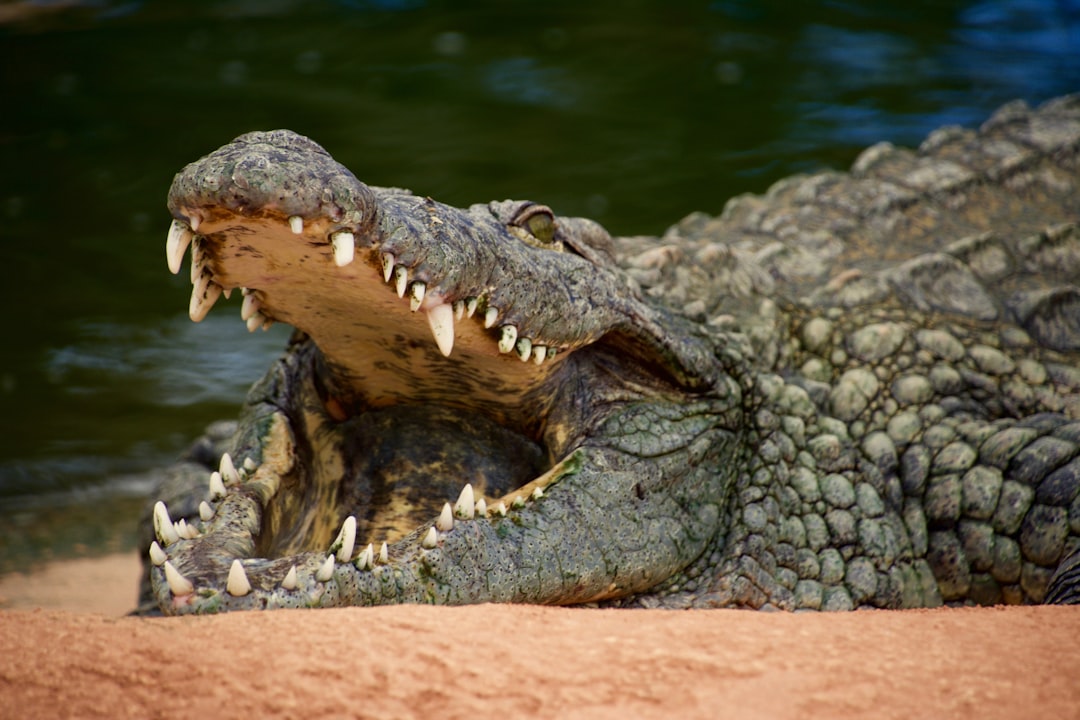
<point>477,405</point>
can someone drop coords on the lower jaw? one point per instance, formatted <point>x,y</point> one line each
<point>393,469</point>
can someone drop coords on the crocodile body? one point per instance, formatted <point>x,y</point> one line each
<point>861,389</point>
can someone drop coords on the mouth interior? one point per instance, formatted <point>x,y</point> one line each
<point>387,428</point>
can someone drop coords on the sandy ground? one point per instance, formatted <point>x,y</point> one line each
<point>528,662</point>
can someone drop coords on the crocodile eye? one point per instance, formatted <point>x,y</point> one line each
<point>541,226</point>
<point>535,225</point>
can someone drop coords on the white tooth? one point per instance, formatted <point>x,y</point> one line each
<point>366,560</point>
<point>416,295</point>
<point>296,224</point>
<point>217,487</point>
<point>237,584</point>
<point>552,351</point>
<point>539,353</point>
<point>181,528</point>
<point>384,554</point>
<point>401,280</point>
<point>157,555</point>
<point>249,464</point>
<point>179,584</point>
<point>500,509</point>
<point>228,470</point>
<point>227,292</point>
<point>490,316</point>
<point>327,570</point>
<point>163,525</point>
<point>481,507</point>
<point>201,302</point>
<point>538,493</point>
<point>176,245</point>
<point>194,222</point>
<point>256,321</point>
<point>289,583</point>
<point>470,306</point>
<point>518,503</point>
<point>466,504</point>
<point>246,291</point>
<point>387,266</point>
<point>430,540</point>
<point>248,307</point>
<point>348,539</point>
<point>343,248</point>
<point>267,323</point>
<point>206,513</point>
<point>508,339</point>
<point>445,522</point>
<point>459,309</point>
<point>441,320</point>
<point>524,349</point>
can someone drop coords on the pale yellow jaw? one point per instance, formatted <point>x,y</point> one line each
<point>319,281</point>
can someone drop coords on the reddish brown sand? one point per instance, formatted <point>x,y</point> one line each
<point>526,662</point>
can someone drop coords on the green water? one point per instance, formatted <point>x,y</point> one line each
<point>633,113</point>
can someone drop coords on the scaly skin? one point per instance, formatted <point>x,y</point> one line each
<point>860,389</point>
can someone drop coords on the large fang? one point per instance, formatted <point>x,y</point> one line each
<point>296,224</point>
<point>343,248</point>
<point>203,296</point>
<point>466,504</point>
<point>163,525</point>
<point>348,539</point>
<point>289,583</point>
<point>384,554</point>
<point>179,584</point>
<point>441,319</point>
<point>176,245</point>
<point>237,585</point>
<point>509,337</point>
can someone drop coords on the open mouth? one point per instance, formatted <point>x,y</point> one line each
<point>430,389</point>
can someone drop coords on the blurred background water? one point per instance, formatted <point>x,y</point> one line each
<point>634,113</point>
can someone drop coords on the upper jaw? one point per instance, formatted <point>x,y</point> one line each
<point>312,246</point>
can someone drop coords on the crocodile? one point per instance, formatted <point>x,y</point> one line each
<point>858,390</point>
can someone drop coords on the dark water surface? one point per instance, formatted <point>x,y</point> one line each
<point>633,113</point>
